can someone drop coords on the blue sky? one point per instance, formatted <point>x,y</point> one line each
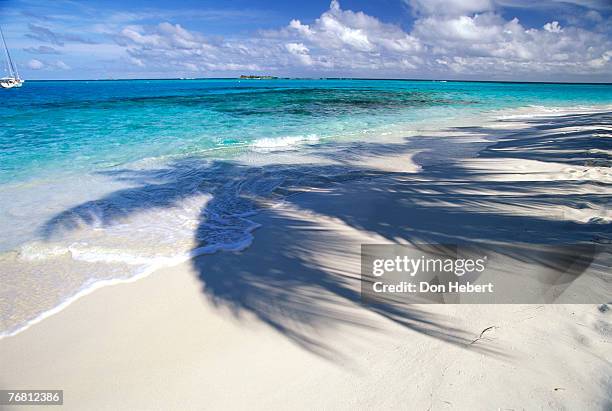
<point>555,40</point>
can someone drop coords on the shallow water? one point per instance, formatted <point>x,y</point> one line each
<point>63,126</point>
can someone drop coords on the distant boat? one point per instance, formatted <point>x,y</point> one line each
<point>13,79</point>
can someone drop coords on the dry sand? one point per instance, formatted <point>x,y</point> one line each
<point>280,325</point>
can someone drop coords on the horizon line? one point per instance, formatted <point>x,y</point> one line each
<point>330,78</point>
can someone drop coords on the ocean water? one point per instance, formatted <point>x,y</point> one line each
<point>105,181</point>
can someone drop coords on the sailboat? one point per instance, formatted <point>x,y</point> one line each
<point>12,80</point>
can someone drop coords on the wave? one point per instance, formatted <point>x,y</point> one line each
<point>534,111</point>
<point>149,268</point>
<point>281,143</point>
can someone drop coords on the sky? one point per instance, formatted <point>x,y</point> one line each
<point>510,40</point>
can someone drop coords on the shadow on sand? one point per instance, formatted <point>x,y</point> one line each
<point>447,201</point>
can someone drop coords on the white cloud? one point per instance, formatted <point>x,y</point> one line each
<point>61,65</point>
<point>165,36</point>
<point>297,48</point>
<point>300,51</point>
<point>136,62</point>
<point>47,35</point>
<point>449,7</point>
<point>553,27</point>
<point>601,61</point>
<point>593,15</point>
<point>191,66</point>
<point>42,50</point>
<point>468,37</point>
<point>35,64</point>
<point>488,44</point>
<point>591,4</point>
<point>303,29</point>
<point>356,31</point>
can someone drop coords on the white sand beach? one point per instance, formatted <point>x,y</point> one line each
<point>280,324</point>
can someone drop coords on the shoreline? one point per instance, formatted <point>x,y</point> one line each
<point>168,262</point>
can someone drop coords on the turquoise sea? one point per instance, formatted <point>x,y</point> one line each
<point>63,126</point>
<point>105,181</point>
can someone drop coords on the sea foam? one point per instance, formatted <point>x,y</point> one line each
<point>283,143</point>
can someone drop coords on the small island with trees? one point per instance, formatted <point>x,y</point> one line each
<point>250,77</point>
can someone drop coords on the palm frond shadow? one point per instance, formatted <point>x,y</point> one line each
<point>445,202</point>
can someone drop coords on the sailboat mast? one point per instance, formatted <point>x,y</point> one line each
<point>12,71</point>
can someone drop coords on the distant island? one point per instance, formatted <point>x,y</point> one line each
<point>258,77</point>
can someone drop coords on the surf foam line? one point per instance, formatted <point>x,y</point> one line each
<point>535,111</point>
<point>157,264</point>
<point>226,211</point>
<point>281,143</point>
